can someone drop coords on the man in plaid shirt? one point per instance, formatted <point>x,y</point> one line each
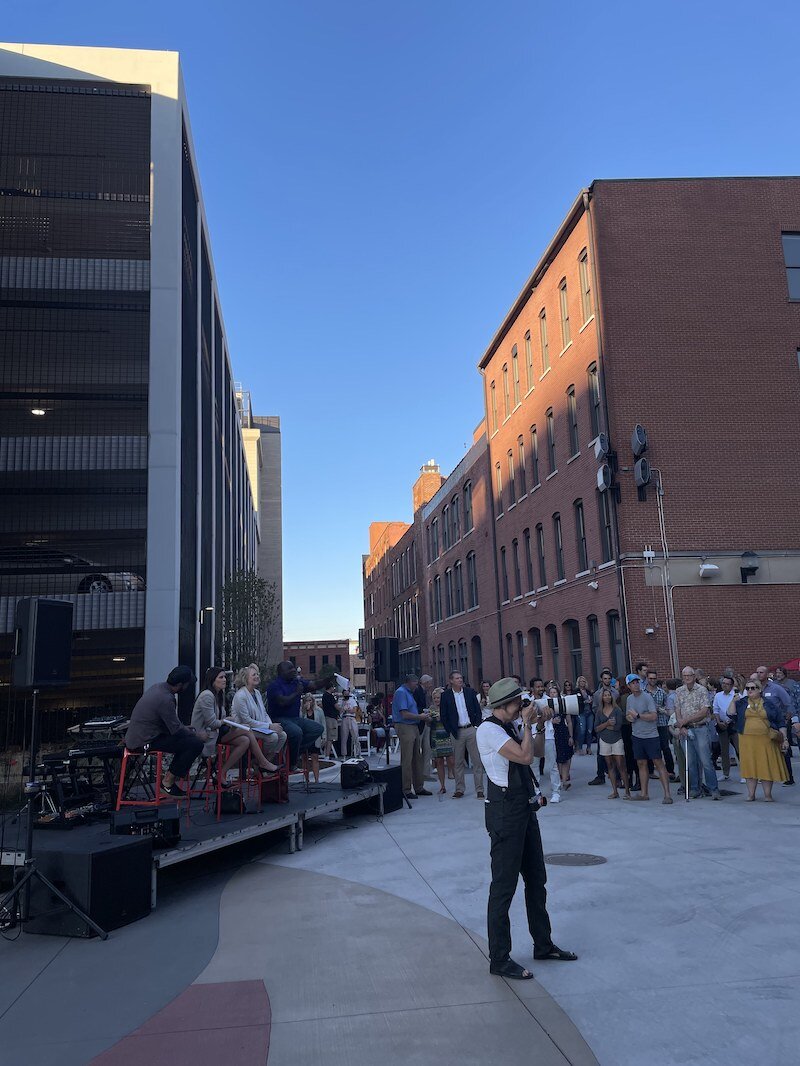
<point>660,698</point>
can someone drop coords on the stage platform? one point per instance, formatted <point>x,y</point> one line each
<point>201,833</point>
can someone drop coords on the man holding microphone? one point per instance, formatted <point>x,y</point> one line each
<point>516,844</point>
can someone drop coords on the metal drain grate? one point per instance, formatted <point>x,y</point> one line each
<point>574,858</point>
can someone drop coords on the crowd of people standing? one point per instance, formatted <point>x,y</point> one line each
<point>642,729</point>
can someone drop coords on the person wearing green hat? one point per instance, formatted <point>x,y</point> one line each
<point>513,798</point>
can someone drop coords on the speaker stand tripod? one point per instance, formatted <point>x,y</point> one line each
<point>17,903</point>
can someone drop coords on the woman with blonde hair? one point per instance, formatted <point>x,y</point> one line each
<point>309,709</point>
<point>248,710</point>
<point>761,727</point>
<point>442,750</point>
<point>208,714</point>
<point>608,726</point>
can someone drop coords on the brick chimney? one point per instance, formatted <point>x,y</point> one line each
<point>428,483</point>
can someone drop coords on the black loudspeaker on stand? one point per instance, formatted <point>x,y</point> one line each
<point>387,659</point>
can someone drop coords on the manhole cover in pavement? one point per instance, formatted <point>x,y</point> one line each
<point>574,858</point>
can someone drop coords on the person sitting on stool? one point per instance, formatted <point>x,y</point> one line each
<point>154,721</point>
<point>516,844</point>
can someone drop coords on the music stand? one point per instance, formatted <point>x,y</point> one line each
<point>18,901</point>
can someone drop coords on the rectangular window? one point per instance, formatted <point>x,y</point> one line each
<point>566,338</point>
<point>552,634</point>
<point>575,652</point>
<point>510,654</point>
<point>523,487</point>
<point>459,589</point>
<point>338,663</point>
<point>455,517</point>
<point>551,441</point>
<point>468,507</point>
<point>504,574</point>
<point>791,257</point>
<point>534,458</point>
<point>538,655</point>
<point>572,420</point>
<point>324,660</point>
<point>472,580</point>
<point>312,664</point>
<point>437,599</point>
<point>540,554</point>
<point>615,641</point>
<point>506,396</point>
<point>515,564</point>
<point>528,560</point>
<point>606,539</point>
<point>586,285</point>
<point>594,400</point>
<point>451,656</point>
<point>498,484</point>
<point>435,537</point>
<point>521,656</point>
<point>446,527</point>
<point>512,481</point>
<point>594,648</point>
<point>515,374</point>
<point>559,546</point>
<point>448,592</point>
<point>543,339</point>
<point>493,406</point>
<point>528,362</point>
<point>580,535</point>
<point>463,662</point>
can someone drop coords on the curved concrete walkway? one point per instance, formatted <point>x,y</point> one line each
<point>357,976</point>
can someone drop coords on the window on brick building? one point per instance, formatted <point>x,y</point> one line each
<point>468,507</point>
<point>559,547</point>
<point>515,566</point>
<point>515,374</point>
<point>594,400</point>
<point>504,574</point>
<point>573,631</point>
<point>606,538</point>
<point>437,598</point>
<point>535,639</point>
<point>498,485</point>
<point>523,487</point>
<point>506,395</point>
<point>337,659</point>
<point>493,406</point>
<point>572,421</point>
<point>324,660</point>
<point>452,656</point>
<point>791,257</point>
<point>472,580</point>
<point>512,481</point>
<point>580,535</point>
<point>448,592</point>
<point>435,539</point>
<point>543,341</point>
<point>552,641</point>
<point>459,587</point>
<point>455,518</point>
<point>440,667</point>
<point>445,528</point>
<point>510,669</point>
<point>563,303</point>
<point>526,536</point>
<point>520,655</point>
<point>615,643</point>
<point>540,554</point>
<point>594,648</point>
<point>528,362</point>
<point>534,458</point>
<point>551,441</point>
<point>586,285</point>
<point>463,661</point>
<point>312,664</point>
<point>431,603</point>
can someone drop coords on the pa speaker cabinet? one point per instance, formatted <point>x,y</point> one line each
<point>107,877</point>
<point>390,776</point>
<point>387,659</point>
<point>43,642</point>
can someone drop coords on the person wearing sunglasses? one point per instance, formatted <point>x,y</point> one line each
<point>761,726</point>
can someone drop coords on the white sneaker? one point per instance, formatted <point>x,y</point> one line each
<point>742,781</point>
<point>556,797</point>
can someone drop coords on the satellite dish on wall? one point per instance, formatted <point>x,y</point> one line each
<point>639,440</point>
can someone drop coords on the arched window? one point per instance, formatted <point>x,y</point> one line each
<point>540,554</point>
<point>510,654</point>
<point>594,648</point>
<point>615,643</point>
<point>572,422</point>
<point>559,547</point>
<point>552,640</point>
<point>594,400</point>
<point>529,581</point>
<point>455,518</point>
<point>573,632</point>
<point>446,527</point>
<point>515,374</point>
<point>437,599</point>
<point>551,440</point>
<point>472,581</point>
<point>543,341</point>
<point>506,395</point>
<point>580,535</point>
<point>520,655</point>
<point>515,567</point>
<point>528,362</point>
<point>498,485</point>
<point>563,303</point>
<point>448,592</point>
<point>586,285</point>
<point>452,656</point>
<point>435,538</point>
<point>523,486</point>
<point>468,507</point>
<point>504,574</point>
<point>534,458</point>
<point>535,639</point>
<point>459,587</point>
<point>463,661</point>
<point>493,406</point>
<point>512,481</point>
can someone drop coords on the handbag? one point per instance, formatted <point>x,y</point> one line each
<point>538,744</point>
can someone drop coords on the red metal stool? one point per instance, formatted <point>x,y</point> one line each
<point>141,776</point>
<point>274,788</point>
<point>213,781</point>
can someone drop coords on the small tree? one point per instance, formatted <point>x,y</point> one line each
<point>249,617</point>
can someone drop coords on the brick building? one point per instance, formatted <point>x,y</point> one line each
<point>675,305</point>
<point>663,303</point>
<point>311,655</point>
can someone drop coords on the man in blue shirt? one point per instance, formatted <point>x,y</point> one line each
<point>407,718</point>
<point>283,698</point>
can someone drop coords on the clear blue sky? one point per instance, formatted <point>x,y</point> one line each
<point>381,178</point>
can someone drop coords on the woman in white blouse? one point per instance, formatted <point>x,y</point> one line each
<point>248,709</point>
<point>208,714</point>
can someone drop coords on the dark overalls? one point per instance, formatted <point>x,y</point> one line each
<point>516,849</point>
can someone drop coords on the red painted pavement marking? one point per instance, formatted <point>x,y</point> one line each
<point>204,1026</point>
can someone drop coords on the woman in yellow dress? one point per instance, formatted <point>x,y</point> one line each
<point>762,731</point>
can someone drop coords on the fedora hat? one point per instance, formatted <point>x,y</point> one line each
<point>504,691</point>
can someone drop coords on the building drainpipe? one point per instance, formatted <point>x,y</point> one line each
<point>623,610</point>
<point>490,485</point>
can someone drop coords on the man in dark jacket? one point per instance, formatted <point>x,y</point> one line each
<point>461,716</point>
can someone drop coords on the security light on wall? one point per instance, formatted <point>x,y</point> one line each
<point>594,585</point>
<point>532,603</point>
<point>708,570</point>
